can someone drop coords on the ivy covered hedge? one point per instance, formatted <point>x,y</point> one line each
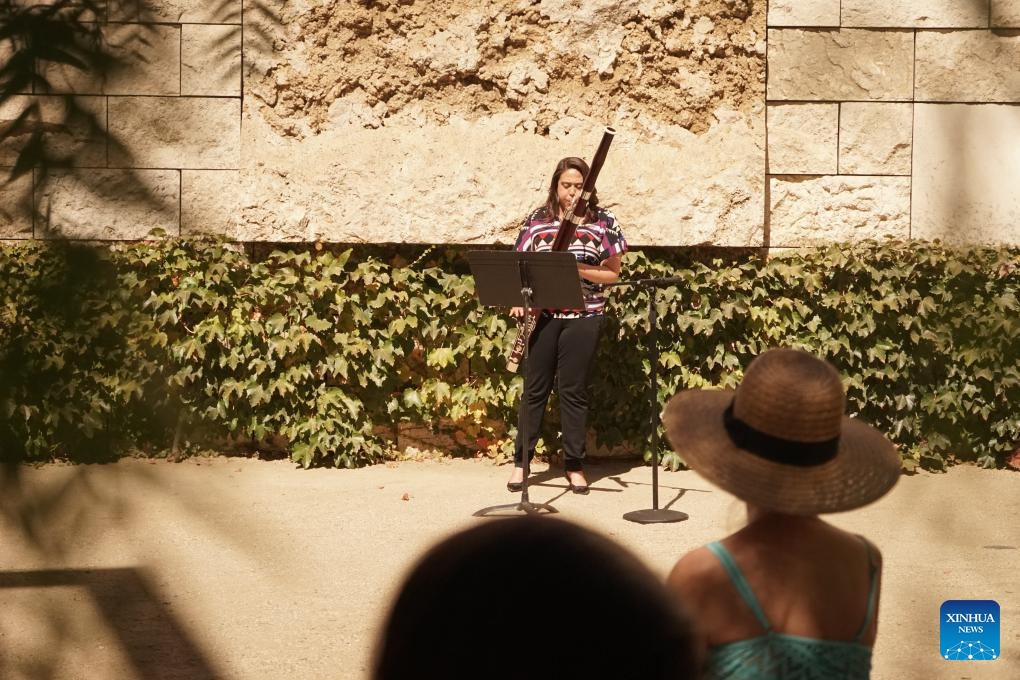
<point>334,352</point>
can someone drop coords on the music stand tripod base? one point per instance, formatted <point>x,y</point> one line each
<point>515,509</point>
<point>655,516</point>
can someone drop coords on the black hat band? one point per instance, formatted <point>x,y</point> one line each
<point>778,449</point>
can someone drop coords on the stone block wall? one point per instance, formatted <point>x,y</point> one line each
<point>893,119</point>
<point>172,111</point>
<point>739,123</point>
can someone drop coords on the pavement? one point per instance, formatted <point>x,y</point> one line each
<point>241,569</point>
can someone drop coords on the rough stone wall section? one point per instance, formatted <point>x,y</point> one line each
<point>414,121</point>
<point>371,62</point>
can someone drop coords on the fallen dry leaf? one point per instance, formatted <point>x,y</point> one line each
<point>1013,460</point>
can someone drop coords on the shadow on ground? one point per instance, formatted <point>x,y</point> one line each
<point>154,643</point>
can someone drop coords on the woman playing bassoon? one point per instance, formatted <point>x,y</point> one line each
<point>561,349</point>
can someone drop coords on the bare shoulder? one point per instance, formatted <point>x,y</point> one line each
<point>873,551</point>
<point>694,573</point>
<point>851,546</point>
<point>701,583</point>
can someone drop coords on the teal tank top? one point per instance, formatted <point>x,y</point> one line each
<point>777,656</point>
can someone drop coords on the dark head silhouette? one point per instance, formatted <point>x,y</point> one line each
<point>476,606</point>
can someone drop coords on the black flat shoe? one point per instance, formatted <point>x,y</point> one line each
<point>581,490</point>
<point>516,487</point>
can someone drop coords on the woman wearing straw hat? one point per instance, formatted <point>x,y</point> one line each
<point>789,595</point>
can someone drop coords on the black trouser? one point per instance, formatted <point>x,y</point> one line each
<point>561,353</point>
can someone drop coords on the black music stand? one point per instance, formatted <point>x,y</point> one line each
<point>655,514</point>
<point>546,280</point>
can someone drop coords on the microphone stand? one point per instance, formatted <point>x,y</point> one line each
<point>653,515</point>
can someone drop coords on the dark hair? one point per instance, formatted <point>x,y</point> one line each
<point>472,606</point>
<point>552,203</point>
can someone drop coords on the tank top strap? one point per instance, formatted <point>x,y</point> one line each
<point>741,584</point>
<point>869,614</point>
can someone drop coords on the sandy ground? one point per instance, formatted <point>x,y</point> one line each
<point>241,569</point>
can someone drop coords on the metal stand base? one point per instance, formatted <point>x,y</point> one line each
<point>516,510</point>
<point>655,516</point>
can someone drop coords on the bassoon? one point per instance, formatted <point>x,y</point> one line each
<point>564,236</point>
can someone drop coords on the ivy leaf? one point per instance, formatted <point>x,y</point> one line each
<point>441,357</point>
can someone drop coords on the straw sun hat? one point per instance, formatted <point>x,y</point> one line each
<point>782,440</point>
